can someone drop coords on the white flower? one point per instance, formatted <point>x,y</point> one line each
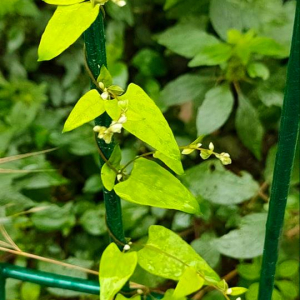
<point>140,291</point>
<point>239,298</point>
<point>211,146</point>
<point>104,133</point>
<point>115,127</point>
<point>123,119</point>
<point>120,3</point>
<point>229,291</point>
<point>101,85</point>
<point>126,247</point>
<point>119,177</point>
<point>224,158</point>
<point>187,151</point>
<point>199,145</point>
<point>105,95</point>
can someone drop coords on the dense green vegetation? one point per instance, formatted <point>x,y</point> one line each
<point>216,69</point>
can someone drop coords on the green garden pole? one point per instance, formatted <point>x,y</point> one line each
<point>288,134</point>
<point>96,57</point>
<point>2,284</point>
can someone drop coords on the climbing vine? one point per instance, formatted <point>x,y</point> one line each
<point>165,254</point>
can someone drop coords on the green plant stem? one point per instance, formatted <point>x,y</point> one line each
<point>96,57</point>
<point>288,134</point>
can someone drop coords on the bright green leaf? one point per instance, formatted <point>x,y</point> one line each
<point>246,242</point>
<point>105,77</point>
<point>86,109</point>
<point>249,127</point>
<point>169,295</point>
<point>167,255</point>
<point>173,164</point>
<point>258,70</point>
<point>215,109</point>
<point>151,184</point>
<point>213,182</point>
<point>236,291</point>
<point>115,270</point>
<point>65,27</point>
<point>151,127</point>
<point>63,2</point>
<point>189,283</point>
<point>212,55</point>
<point>108,175</point>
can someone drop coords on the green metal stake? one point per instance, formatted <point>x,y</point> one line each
<point>96,57</point>
<point>2,284</point>
<point>288,134</point>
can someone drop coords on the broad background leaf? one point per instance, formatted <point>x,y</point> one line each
<point>215,109</point>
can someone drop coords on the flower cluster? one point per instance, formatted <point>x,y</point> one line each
<point>206,153</point>
<point>115,127</point>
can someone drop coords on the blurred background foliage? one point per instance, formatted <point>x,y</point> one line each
<point>216,68</point>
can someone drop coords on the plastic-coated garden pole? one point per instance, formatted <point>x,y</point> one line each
<point>288,134</point>
<point>46,279</point>
<point>96,57</point>
<point>2,284</point>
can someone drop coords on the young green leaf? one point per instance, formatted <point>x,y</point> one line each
<point>150,184</point>
<point>260,70</point>
<point>63,2</point>
<point>189,283</point>
<point>212,55</point>
<point>115,269</point>
<point>152,127</point>
<point>173,164</point>
<point>167,255</point>
<point>105,77</point>
<point>65,27</point>
<point>215,109</point>
<point>86,109</point>
<point>108,175</point>
<point>236,291</point>
<point>250,135</point>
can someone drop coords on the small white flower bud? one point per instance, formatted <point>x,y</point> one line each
<point>105,95</point>
<point>239,298</point>
<point>140,291</point>
<point>96,128</point>
<point>123,119</point>
<point>121,3</point>
<point>187,151</point>
<point>130,243</point>
<point>199,145</point>
<point>126,247</point>
<point>116,127</point>
<point>211,146</point>
<point>101,85</point>
<point>229,291</point>
<point>119,177</point>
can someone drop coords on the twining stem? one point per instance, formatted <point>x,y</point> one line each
<point>96,57</point>
<point>288,134</point>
